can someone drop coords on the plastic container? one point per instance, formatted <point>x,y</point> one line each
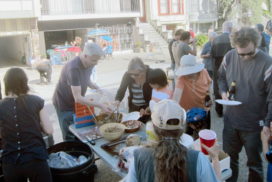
<point>84,172</point>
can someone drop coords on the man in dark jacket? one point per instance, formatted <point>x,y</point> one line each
<point>221,45</point>
<point>251,69</point>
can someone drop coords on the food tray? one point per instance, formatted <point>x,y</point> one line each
<point>114,147</point>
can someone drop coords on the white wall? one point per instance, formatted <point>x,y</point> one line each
<point>170,19</point>
<point>16,9</point>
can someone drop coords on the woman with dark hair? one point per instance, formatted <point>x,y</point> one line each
<point>136,80</point>
<point>23,118</point>
<point>168,160</point>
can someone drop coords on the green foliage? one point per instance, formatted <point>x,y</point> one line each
<point>244,12</point>
<point>267,14</point>
<point>201,39</point>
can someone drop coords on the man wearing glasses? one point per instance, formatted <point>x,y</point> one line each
<point>72,86</point>
<point>251,70</point>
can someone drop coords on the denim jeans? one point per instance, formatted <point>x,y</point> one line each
<point>65,120</point>
<point>233,141</point>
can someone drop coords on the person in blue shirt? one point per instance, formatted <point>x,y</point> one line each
<point>267,151</point>
<point>206,53</point>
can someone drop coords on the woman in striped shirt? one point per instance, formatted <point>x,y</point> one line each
<point>136,80</point>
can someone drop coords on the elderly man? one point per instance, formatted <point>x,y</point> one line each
<point>221,45</point>
<point>72,86</point>
<point>251,69</point>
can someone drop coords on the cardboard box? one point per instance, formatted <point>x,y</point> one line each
<point>224,159</point>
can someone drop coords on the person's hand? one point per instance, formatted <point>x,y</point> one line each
<point>224,96</point>
<point>194,41</point>
<point>116,103</point>
<point>105,108</point>
<point>265,134</point>
<point>142,112</point>
<point>212,151</point>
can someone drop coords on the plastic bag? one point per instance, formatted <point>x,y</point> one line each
<point>64,160</point>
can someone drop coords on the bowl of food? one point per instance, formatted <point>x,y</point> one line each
<point>132,125</point>
<point>109,118</point>
<point>112,131</point>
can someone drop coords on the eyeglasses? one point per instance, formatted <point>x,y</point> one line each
<point>247,54</point>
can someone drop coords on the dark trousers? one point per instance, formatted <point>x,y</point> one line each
<point>65,120</point>
<point>233,141</point>
<point>35,171</point>
<point>217,95</point>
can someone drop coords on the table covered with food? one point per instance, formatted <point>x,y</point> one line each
<point>114,132</point>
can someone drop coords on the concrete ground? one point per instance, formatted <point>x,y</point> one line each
<point>109,73</point>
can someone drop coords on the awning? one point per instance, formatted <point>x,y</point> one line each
<point>106,38</point>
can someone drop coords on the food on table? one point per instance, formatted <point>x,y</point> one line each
<point>109,118</point>
<point>113,129</point>
<point>133,140</point>
<point>132,125</point>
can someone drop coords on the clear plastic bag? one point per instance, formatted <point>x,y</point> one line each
<point>64,160</point>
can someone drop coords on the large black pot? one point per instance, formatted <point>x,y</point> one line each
<point>84,172</point>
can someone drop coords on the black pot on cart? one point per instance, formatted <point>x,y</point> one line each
<point>84,172</point>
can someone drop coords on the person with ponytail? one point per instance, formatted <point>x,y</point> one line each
<point>23,119</point>
<point>168,160</point>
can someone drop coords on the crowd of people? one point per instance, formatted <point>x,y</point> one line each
<point>240,56</point>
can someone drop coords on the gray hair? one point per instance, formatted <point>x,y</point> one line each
<point>227,26</point>
<point>136,64</point>
<point>212,34</point>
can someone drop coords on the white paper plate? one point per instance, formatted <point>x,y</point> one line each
<point>228,102</point>
<point>131,116</point>
<point>186,140</point>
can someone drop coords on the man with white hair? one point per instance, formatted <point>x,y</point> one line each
<point>72,86</point>
<point>206,53</point>
<point>220,46</point>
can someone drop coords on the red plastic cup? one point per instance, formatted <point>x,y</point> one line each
<point>207,137</point>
